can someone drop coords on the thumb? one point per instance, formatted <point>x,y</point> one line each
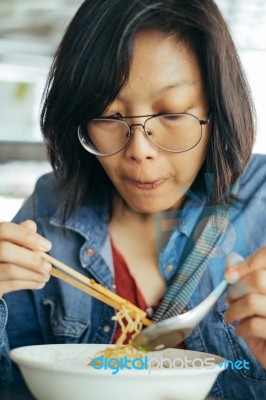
<point>235,263</point>
<point>29,224</point>
<point>234,269</point>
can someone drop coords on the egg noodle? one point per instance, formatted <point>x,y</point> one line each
<point>128,325</point>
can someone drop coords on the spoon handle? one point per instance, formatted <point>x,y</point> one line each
<point>204,307</point>
<point>235,288</point>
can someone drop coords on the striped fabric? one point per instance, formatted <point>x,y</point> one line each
<point>205,239</point>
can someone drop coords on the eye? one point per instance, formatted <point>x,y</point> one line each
<point>172,117</point>
<point>116,115</point>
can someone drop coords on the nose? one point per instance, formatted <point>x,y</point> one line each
<point>140,147</point>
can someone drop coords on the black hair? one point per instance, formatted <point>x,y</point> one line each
<point>92,64</point>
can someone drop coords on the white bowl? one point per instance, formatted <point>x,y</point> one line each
<point>60,372</point>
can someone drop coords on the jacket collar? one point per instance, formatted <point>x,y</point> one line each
<point>85,221</point>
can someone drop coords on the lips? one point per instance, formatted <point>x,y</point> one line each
<point>147,185</point>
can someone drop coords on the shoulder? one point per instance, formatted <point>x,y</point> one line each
<point>253,179</point>
<point>44,200</point>
<point>47,194</point>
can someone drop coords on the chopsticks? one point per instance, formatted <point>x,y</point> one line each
<point>91,287</point>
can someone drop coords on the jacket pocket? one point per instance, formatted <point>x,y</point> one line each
<point>65,328</point>
<point>242,352</point>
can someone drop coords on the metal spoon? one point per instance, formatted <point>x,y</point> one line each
<point>172,331</point>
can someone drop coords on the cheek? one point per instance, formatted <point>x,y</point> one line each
<point>187,165</point>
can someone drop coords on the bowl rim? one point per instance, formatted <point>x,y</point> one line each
<point>18,358</point>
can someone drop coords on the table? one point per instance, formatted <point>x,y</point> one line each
<point>19,391</point>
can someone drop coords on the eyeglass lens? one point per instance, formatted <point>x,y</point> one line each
<point>172,132</point>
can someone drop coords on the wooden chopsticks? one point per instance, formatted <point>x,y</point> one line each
<point>91,287</point>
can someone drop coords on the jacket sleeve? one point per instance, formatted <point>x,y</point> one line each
<point>5,362</point>
<point>6,371</point>
<point>26,211</point>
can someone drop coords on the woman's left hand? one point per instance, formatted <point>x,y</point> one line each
<point>250,309</point>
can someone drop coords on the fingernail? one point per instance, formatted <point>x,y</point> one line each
<point>233,259</point>
<point>232,276</point>
<point>41,285</point>
<point>46,266</point>
<point>47,277</point>
<point>45,244</point>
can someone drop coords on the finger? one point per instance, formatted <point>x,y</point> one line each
<point>12,254</point>
<point>248,306</point>
<point>29,224</point>
<point>252,327</point>
<point>238,271</point>
<point>237,290</point>
<point>255,282</point>
<point>234,259</point>
<point>23,236</point>
<point>252,283</point>
<point>10,286</point>
<point>254,262</point>
<point>11,272</point>
<point>234,262</point>
<point>257,260</point>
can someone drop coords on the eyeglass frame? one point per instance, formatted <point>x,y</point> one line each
<point>150,116</point>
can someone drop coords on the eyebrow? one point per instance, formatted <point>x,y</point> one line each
<point>175,85</point>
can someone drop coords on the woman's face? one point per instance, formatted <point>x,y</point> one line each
<point>164,78</point>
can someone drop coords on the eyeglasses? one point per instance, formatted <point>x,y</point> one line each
<point>176,133</point>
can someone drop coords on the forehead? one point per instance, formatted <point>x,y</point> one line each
<point>160,62</point>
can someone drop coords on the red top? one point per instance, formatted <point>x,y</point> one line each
<point>127,288</point>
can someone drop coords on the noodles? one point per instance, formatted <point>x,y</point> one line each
<point>128,325</point>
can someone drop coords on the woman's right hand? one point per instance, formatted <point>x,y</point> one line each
<point>21,268</point>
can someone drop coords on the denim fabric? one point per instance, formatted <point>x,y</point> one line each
<point>60,313</point>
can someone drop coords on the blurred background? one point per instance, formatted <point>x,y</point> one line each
<point>30,31</point>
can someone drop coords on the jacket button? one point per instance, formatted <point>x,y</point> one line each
<point>90,252</point>
<point>106,328</point>
<point>169,268</point>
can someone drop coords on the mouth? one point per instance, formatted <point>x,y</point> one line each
<point>147,185</point>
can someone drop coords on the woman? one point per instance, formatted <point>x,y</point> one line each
<point>148,123</point>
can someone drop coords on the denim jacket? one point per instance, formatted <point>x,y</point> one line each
<point>60,313</point>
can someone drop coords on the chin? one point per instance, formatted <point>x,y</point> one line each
<point>149,208</point>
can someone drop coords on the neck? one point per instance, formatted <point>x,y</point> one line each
<point>146,225</point>
<point>122,213</point>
